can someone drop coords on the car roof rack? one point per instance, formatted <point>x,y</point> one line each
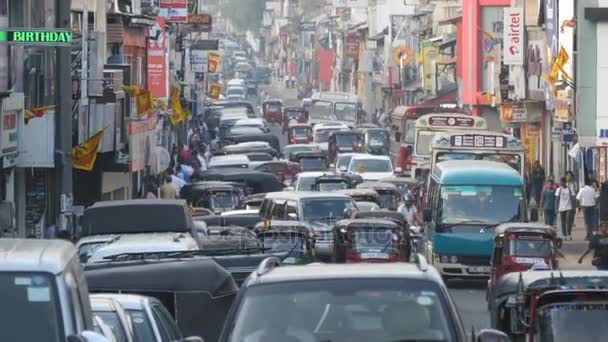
<point>421,262</point>
<point>268,265</point>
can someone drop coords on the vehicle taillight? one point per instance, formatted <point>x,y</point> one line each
<point>407,166</point>
<point>393,258</point>
<point>353,257</point>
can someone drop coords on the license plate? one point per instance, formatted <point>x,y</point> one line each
<point>374,256</point>
<point>479,269</point>
<point>522,260</point>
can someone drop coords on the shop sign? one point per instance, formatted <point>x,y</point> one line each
<point>513,51</point>
<point>536,57</point>
<point>142,140</point>
<point>447,121</point>
<point>199,60</point>
<point>157,61</point>
<point>402,55</point>
<point>556,133</point>
<point>352,45</point>
<point>510,113</point>
<point>561,106</point>
<point>50,37</point>
<point>200,23</point>
<point>602,164</point>
<point>568,132</point>
<point>476,140</point>
<point>12,113</point>
<point>175,11</point>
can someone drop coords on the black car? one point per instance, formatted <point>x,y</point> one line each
<point>352,302</point>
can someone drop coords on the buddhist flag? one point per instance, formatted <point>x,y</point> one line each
<point>36,113</point>
<point>213,62</point>
<point>214,91</point>
<point>178,114</point>
<point>144,102</point>
<point>85,154</point>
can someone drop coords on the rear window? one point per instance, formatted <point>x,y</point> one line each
<point>113,321</point>
<point>141,325</point>
<point>346,139</point>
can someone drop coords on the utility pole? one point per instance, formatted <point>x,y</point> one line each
<point>63,123</point>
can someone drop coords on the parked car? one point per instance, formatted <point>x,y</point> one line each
<point>115,317</point>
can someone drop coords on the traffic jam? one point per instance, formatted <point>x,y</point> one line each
<point>293,215</point>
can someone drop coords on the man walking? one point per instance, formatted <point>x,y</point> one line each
<point>547,201</point>
<point>587,199</point>
<point>598,243</point>
<point>564,207</point>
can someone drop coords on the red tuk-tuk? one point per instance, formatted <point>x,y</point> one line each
<point>299,133</point>
<point>273,111</point>
<point>293,115</point>
<point>342,142</point>
<point>369,240</point>
<point>519,246</point>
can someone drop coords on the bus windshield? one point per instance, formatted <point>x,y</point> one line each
<point>485,204</point>
<point>346,111</point>
<point>423,142</point>
<point>410,131</point>
<point>511,159</point>
<point>321,110</point>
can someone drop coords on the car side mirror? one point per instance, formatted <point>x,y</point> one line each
<point>193,339</point>
<point>427,215</point>
<point>492,335</point>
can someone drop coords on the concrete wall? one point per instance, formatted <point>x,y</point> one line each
<point>586,77</point>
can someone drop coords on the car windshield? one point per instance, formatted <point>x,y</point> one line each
<point>340,310</point>
<point>301,131</point>
<point>224,200</point>
<point>283,242</point>
<point>370,165</point>
<point>345,111</point>
<point>374,241</point>
<point>562,322</point>
<point>325,208</point>
<point>332,186</point>
<point>111,319</point>
<point>387,200</point>
<point>293,149</point>
<point>321,110</point>
<point>346,140</point>
<point>306,183</point>
<point>480,204</point>
<point>141,325</point>
<point>511,159</point>
<point>376,139</point>
<point>529,247</point>
<point>322,135</point>
<point>423,142</point>
<point>343,162</point>
<point>30,308</point>
<point>235,91</point>
<point>313,164</point>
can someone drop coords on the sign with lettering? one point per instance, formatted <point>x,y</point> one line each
<point>602,165</point>
<point>476,140</point>
<point>451,121</point>
<point>201,22</point>
<point>51,37</point>
<point>513,49</point>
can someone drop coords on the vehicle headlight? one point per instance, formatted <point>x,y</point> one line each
<point>453,259</point>
<point>444,259</point>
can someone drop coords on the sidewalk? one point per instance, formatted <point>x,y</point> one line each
<point>572,250</point>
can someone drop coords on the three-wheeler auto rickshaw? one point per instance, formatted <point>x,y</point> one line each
<point>374,141</point>
<point>369,240</point>
<point>273,111</point>
<point>414,237</point>
<point>333,182</point>
<point>284,170</point>
<point>311,161</point>
<point>554,305</point>
<point>300,133</point>
<point>341,142</point>
<point>293,115</point>
<point>213,195</point>
<point>390,197</point>
<point>292,237</point>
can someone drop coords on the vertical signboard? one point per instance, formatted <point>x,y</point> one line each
<point>142,139</point>
<point>352,45</point>
<point>12,110</point>
<point>514,30</point>
<point>3,48</point>
<point>492,28</point>
<point>536,57</point>
<point>157,67</point>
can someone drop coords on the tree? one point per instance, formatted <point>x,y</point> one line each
<point>245,15</point>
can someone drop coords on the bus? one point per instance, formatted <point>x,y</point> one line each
<point>428,126</point>
<point>479,145</point>
<point>332,107</point>
<point>403,120</point>
<point>466,200</point>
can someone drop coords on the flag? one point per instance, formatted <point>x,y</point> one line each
<point>131,90</point>
<point>85,154</point>
<point>179,114</point>
<point>213,62</point>
<point>160,104</point>
<point>36,113</point>
<point>557,66</point>
<point>214,91</point>
<point>144,102</point>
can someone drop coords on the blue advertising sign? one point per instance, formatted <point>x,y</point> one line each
<point>567,131</point>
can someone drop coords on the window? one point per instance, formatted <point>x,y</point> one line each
<point>423,142</point>
<point>167,321</point>
<point>278,210</point>
<point>321,110</point>
<point>162,329</point>
<point>291,208</point>
<point>410,130</point>
<point>113,321</point>
<point>325,208</point>
<point>370,165</point>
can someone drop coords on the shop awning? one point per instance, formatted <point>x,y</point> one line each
<point>451,20</point>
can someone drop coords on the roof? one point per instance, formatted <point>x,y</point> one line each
<point>525,227</point>
<point>300,195</point>
<point>347,272</point>
<point>241,211</point>
<point>368,222</point>
<point>358,192</point>
<point>127,301</point>
<point>191,275</point>
<point>377,185</point>
<point>370,157</point>
<point>311,174</point>
<point>232,159</point>
<point>246,122</point>
<point>476,172</point>
<point>34,255</point>
<point>399,180</point>
<point>385,214</point>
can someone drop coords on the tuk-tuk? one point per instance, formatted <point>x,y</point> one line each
<point>284,170</point>
<point>341,142</point>
<point>273,111</point>
<point>390,197</point>
<point>293,115</point>
<point>214,195</point>
<point>294,237</point>
<point>333,182</point>
<point>253,182</point>
<point>407,185</point>
<point>414,238</point>
<point>519,246</point>
<point>311,161</point>
<point>197,292</point>
<point>551,305</point>
<point>374,141</point>
<point>369,240</point>
<point>299,134</point>
<point>362,195</point>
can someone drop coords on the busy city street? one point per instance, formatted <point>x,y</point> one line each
<point>303,171</point>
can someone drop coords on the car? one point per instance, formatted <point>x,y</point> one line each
<point>305,181</point>
<point>257,123</point>
<point>236,92</point>
<point>245,130</point>
<point>347,302</point>
<point>322,131</point>
<point>114,316</point>
<point>104,329</point>
<point>230,161</point>
<point>370,167</point>
<point>235,97</point>
<point>242,66</point>
<point>149,318</point>
<point>44,293</point>
<point>236,82</point>
<point>295,148</point>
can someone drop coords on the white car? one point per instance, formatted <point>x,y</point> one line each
<point>257,123</point>
<point>343,160</point>
<point>370,167</point>
<point>236,92</point>
<point>237,161</point>
<point>236,82</point>
<point>305,180</point>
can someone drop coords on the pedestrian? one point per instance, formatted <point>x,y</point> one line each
<point>537,179</point>
<point>175,181</point>
<point>564,207</point>
<point>587,200</point>
<point>599,245</point>
<point>571,182</point>
<point>547,201</point>
<point>167,190</point>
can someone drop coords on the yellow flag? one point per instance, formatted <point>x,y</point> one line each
<point>36,113</point>
<point>178,114</point>
<point>131,90</point>
<point>144,102</point>
<point>85,154</point>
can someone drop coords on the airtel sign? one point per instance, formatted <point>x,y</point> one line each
<point>513,51</point>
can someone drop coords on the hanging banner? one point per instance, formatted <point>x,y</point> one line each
<point>602,166</point>
<point>352,45</point>
<point>175,11</point>
<point>157,67</point>
<point>213,61</point>
<point>529,137</point>
<point>513,52</point>
<point>430,56</point>
<point>214,91</point>
<point>561,106</point>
